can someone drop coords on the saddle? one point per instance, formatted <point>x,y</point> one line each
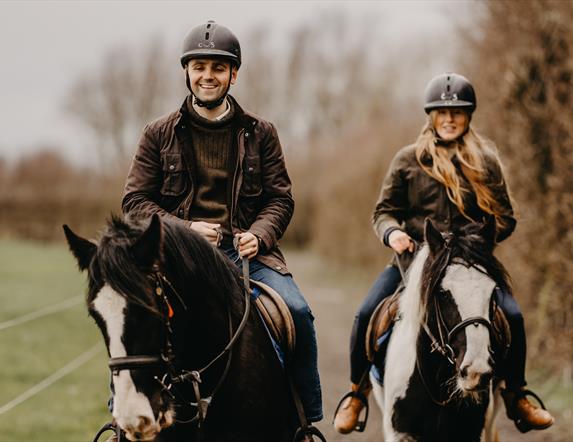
<point>380,323</point>
<point>276,316</point>
<point>385,315</point>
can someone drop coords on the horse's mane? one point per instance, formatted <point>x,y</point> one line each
<point>182,254</point>
<point>469,246</point>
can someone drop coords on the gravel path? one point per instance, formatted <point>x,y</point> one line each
<point>334,296</point>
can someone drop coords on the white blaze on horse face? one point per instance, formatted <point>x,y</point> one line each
<point>472,290</point>
<point>130,407</point>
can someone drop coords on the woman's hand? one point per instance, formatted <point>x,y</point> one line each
<point>248,244</point>
<point>400,241</point>
<point>211,232</point>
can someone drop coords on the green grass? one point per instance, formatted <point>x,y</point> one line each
<point>32,277</point>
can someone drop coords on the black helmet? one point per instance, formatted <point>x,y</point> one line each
<point>450,90</point>
<point>211,40</point>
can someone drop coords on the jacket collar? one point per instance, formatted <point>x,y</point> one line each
<point>245,120</point>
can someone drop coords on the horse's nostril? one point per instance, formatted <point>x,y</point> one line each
<point>144,423</point>
<point>464,371</point>
<point>486,378</point>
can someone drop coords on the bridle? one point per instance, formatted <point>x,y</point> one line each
<point>443,344</point>
<point>166,358</point>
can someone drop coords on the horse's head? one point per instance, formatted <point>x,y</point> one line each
<point>461,274</point>
<point>132,318</point>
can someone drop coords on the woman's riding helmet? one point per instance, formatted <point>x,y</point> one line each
<point>450,90</point>
<point>211,40</point>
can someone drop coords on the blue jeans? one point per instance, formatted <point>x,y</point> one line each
<point>512,370</point>
<point>304,364</point>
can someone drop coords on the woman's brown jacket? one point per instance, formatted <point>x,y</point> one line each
<point>409,196</point>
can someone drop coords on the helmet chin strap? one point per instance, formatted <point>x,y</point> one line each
<point>213,103</point>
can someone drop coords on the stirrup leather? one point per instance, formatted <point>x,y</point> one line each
<point>360,425</point>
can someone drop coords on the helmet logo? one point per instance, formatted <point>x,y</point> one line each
<point>207,45</point>
<point>453,97</point>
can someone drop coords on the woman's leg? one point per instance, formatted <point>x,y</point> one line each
<point>383,287</point>
<point>513,368</point>
<point>525,415</point>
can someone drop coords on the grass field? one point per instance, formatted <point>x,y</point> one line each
<point>33,277</point>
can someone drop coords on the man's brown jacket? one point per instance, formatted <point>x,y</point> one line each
<point>162,180</point>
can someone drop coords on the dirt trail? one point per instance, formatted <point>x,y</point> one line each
<point>334,296</point>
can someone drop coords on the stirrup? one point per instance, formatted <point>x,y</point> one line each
<point>109,426</point>
<point>360,425</point>
<point>309,430</point>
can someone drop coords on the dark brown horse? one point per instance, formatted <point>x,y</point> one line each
<point>168,305</point>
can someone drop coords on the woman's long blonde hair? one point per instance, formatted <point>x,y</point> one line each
<point>470,151</point>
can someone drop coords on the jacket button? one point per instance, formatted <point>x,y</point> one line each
<point>172,167</point>
<point>180,212</point>
<point>246,134</point>
<point>251,169</point>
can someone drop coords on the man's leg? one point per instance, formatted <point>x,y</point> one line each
<point>525,414</point>
<point>304,366</point>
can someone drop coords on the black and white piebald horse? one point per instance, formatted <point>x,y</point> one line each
<point>439,364</point>
<point>189,359</point>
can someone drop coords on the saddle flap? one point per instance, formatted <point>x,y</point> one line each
<point>276,315</point>
<point>501,332</point>
<point>380,321</point>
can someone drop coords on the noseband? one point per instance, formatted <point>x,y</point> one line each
<point>443,345</point>
<point>166,358</point>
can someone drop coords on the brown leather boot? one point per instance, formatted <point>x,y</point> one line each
<point>526,415</point>
<point>349,409</point>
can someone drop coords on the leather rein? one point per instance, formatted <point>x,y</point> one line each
<point>166,357</point>
<point>443,344</point>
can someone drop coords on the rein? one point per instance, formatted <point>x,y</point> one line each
<point>172,377</point>
<point>443,345</point>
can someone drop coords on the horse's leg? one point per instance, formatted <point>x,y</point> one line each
<point>378,391</point>
<point>490,433</point>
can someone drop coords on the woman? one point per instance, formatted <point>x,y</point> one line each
<point>453,176</point>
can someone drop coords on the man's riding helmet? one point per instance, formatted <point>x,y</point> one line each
<point>211,40</point>
<point>450,90</point>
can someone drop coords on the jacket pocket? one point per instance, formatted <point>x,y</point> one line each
<point>252,185</point>
<point>174,174</point>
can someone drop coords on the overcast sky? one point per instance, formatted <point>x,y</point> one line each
<point>46,45</point>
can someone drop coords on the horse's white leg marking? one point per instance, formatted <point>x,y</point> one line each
<point>401,355</point>
<point>129,405</point>
<point>471,290</point>
<point>378,392</point>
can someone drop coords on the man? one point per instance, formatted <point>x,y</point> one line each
<point>220,171</point>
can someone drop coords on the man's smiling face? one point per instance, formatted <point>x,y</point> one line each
<point>210,78</point>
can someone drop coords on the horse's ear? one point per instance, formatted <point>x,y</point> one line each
<point>488,230</point>
<point>83,249</point>
<point>148,246</point>
<point>433,237</point>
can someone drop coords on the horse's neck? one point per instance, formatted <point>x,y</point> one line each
<point>411,308</point>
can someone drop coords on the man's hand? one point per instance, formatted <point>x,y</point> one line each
<point>400,242</point>
<point>211,232</point>
<point>248,244</point>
